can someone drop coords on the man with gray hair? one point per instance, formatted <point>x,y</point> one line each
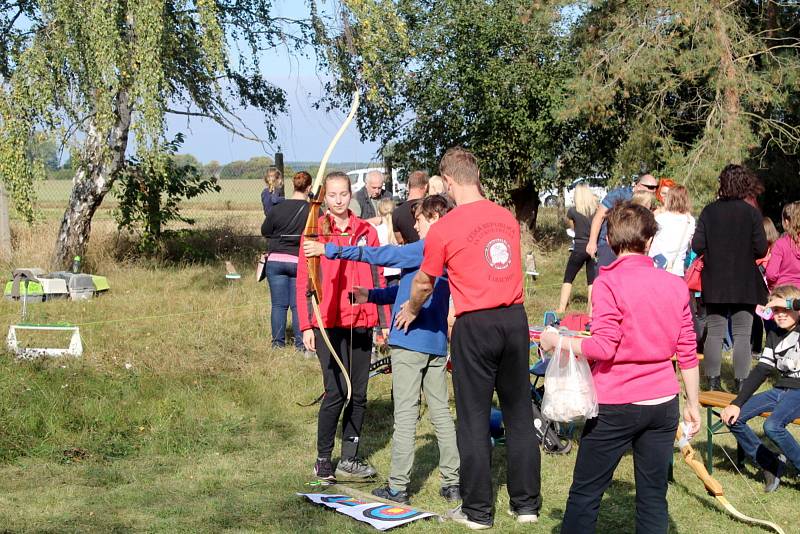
<point>365,201</point>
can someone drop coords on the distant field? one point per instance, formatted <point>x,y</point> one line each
<point>235,194</point>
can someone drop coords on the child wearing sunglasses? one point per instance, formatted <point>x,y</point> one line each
<point>782,354</point>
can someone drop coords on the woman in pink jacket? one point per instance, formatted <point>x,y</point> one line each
<point>783,267</point>
<point>640,319</point>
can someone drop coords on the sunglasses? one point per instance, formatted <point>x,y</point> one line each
<point>649,187</point>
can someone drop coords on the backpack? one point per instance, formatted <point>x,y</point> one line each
<point>577,322</point>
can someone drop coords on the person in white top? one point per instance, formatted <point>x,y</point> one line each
<point>675,230</point>
<point>386,236</point>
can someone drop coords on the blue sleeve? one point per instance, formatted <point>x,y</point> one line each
<point>614,196</point>
<point>266,200</point>
<point>402,257</point>
<point>383,296</point>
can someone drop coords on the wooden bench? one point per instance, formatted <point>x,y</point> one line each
<point>719,399</point>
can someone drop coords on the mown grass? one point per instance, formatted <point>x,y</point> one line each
<point>180,418</point>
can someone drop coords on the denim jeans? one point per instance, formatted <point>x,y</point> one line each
<point>785,407</point>
<point>282,277</point>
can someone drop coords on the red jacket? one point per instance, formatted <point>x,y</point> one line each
<point>338,279</point>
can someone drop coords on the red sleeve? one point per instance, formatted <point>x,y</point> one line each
<point>301,285</point>
<point>434,255</point>
<point>606,324</point>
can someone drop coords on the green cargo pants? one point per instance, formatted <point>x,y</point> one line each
<point>412,372</point>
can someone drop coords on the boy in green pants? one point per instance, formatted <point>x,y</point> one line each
<point>419,356</point>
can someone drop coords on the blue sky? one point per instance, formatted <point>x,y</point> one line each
<point>303,133</point>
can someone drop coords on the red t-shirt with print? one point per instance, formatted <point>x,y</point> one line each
<point>478,244</point>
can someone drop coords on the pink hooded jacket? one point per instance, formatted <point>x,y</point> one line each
<point>640,319</point>
<point>783,266</point>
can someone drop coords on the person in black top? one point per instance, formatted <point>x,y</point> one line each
<point>579,218</point>
<point>282,228</point>
<point>730,236</point>
<point>403,216</point>
<point>781,354</point>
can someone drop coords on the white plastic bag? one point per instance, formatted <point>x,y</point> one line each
<point>569,393</point>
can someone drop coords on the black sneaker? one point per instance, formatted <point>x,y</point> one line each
<point>354,468</point>
<point>323,470</point>
<point>388,494</point>
<point>451,493</point>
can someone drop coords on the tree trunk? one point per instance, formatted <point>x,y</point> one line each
<point>103,158</point>
<point>731,103</point>
<point>525,200</point>
<point>154,209</point>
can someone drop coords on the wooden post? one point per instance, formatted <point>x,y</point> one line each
<point>279,166</point>
<point>5,228</point>
<point>387,177</point>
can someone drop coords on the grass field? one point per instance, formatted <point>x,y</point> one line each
<point>180,418</point>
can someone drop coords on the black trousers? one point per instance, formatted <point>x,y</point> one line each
<point>356,359</point>
<point>650,431</point>
<point>490,351</point>
<point>577,259</point>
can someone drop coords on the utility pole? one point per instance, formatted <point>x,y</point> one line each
<point>279,166</point>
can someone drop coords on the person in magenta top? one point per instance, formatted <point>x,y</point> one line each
<point>640,319</point>
<point>783,267</point>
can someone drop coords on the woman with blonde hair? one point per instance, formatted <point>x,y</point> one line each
<point>783,267</point>
<point>675,231</point>
<point>579,219</point>
<point>386,236</point>
<point>436,185</point>
<point>273,190</point>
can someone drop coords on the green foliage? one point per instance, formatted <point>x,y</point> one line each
<point>692,85</point>
<point>252,169</point>
<point>45,149</point>
<point>484,75</point>
<point>89,71</point>
<point>148,200</point>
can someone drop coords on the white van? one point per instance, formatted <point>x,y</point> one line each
<point>399,188</point>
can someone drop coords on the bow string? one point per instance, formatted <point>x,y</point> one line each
<point>315,198</point>
<point>713,486</point>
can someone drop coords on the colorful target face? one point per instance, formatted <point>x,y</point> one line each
<point>388,512</point>
<point>343,500</point>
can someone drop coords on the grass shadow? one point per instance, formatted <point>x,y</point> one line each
<point>378,426</point>
<point>617,510</point>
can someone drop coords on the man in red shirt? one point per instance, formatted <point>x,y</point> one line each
<point>478,244</point>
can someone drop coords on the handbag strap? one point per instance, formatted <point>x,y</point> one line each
<point>680,243</point>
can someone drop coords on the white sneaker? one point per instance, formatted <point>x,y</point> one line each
<point>523,518</point>
<point>460,517</point>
